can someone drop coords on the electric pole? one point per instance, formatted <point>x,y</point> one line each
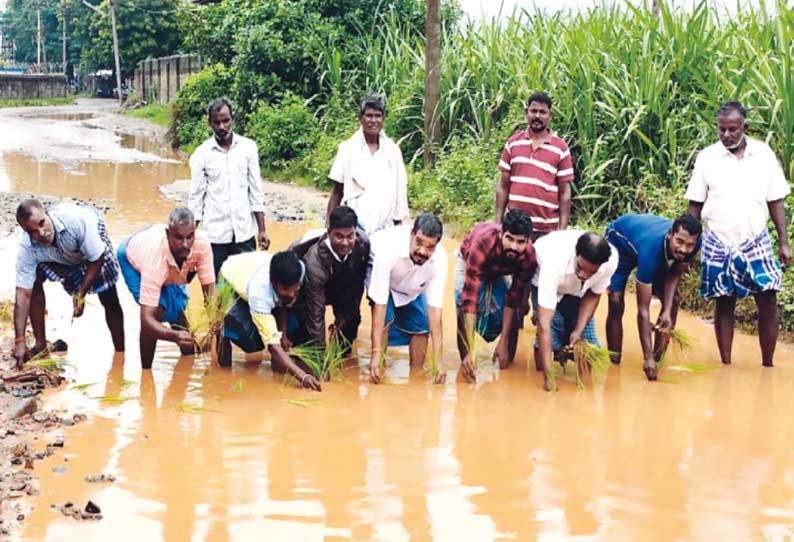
<point>63,34</point>
<point>116,51</point>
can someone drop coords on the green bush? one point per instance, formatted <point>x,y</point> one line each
<point>283,132</point>
<point>189,125</point>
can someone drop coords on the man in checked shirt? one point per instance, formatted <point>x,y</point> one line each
<point>226,188</point>
<point>483,296</point>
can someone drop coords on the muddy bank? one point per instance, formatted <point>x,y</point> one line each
<point>283,202</point>
<point>29,433</point>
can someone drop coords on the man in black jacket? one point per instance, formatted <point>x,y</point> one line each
<point>336,266</point>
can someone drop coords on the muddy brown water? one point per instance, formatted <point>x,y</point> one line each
<point>202,453</point>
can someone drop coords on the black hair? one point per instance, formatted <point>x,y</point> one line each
<point>517,222</point>
<point>217,104</point>
<point>732,105</point>
<point>285,269</point>
<point>593,248</point>
<point>25,209</point>
<point>688,223</point>
<point>342,217</point>
<point>372,101</point>
<point>540,97</point>
<point>429,225</point>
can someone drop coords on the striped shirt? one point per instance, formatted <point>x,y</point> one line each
<point>536,176</point>
<point>148,252</point>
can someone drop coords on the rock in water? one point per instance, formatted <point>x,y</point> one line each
<point>92,508</point>
<point>22,408</point>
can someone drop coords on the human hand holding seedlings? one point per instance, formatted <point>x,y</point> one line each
<point>664,322</point>
<point>501,354</point>
<point>374,367</point>
<point>467,368</point>
<point>286,344</point>
<point>78,305</point>
<point>185,340</point>
<point>309,382</point>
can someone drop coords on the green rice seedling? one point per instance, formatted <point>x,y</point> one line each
<point>431,365</point>
<point>471,340</point>
<point>203,320</point>
<point>693,368</point>
<point>6,310</point>
<point>83,387</point>
<point>591,359</point>
<point>303,403</point>
<point>124,383</point>
<point>238,385</point>
<point>50,365</point>
<point>114,400</point>
<point>189,408</point>
<point>679,339</point>
<point>324,364</point>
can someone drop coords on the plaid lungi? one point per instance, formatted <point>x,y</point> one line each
<point>564,322</point>
<point>72,276</point>
<point>742,270</point>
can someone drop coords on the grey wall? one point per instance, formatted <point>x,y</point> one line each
<point>159,79</point>
<point>27,86</point>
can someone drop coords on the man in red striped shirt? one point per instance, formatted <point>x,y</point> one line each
<point>536,171</point>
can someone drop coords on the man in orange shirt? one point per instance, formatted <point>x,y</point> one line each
<point>157,263</point>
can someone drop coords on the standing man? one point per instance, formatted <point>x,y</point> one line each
<point>406,280</point>
<point>226,188</point>
<point>336,266</point>
<point>267,288</point>
<point>574,269</point>
<point>536,171</point>
<point>157,263</point>
<point>368,172</point>
<point>67,243</point>
<point>483,297</point>
<point>737,184</point>
<point>661,251</point>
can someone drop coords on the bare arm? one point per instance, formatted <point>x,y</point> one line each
<point>565,205</point>
<point>587,309</point>
<point>544,343</point>
<point>670,287</point>
<point>21,313</point>
<point>501,353</point>
<point>644,292</point>
<point>334,200</point>
<point>694,208</point>
<point>436,339</point>
<point>263,239</point>
<point>777,211</point>
<point>280,356</point>
<point>502,191</point>
<point>378,319</point>
<point>150,323</point>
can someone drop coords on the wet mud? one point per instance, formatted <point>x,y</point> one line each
<point>197,452</point>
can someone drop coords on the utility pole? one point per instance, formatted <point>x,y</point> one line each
<point>116,51</point>
<point>38,34</point>
<point>432,79</point>
<point>63,34</point>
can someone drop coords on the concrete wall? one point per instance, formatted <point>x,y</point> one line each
<point>159,79</point>
<point>27,86</point>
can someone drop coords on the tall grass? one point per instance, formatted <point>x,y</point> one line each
<point>635,94</point>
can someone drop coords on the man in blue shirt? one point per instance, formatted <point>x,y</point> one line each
<point>66,243</point>
<point>660,249</point>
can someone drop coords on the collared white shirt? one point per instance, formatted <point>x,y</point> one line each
<point>374,185</point>
<point>226,189</point>
<point>391,270</point>
<point>736,192</point>
<point>556,273</point>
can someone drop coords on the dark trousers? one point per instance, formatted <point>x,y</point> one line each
<point>221,251</point>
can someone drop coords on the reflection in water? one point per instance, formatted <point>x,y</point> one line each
<point>220,455</point>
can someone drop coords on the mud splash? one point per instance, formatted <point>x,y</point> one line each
<point>201,453</point>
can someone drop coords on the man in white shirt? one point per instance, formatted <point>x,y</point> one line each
<point>226,188</point>
<point>405,285</point>
<point>574,269</point>
<point>736,185</point>
<point>368,172</point>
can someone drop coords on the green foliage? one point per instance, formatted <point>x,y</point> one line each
<point>189,125</point>
<point>33,102</point>
<point>283,132</point>
<point>157,113</point>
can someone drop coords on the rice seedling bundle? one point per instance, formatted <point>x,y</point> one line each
<point>201,321</point>
<point>590,358</point>
<point>324,364</point>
